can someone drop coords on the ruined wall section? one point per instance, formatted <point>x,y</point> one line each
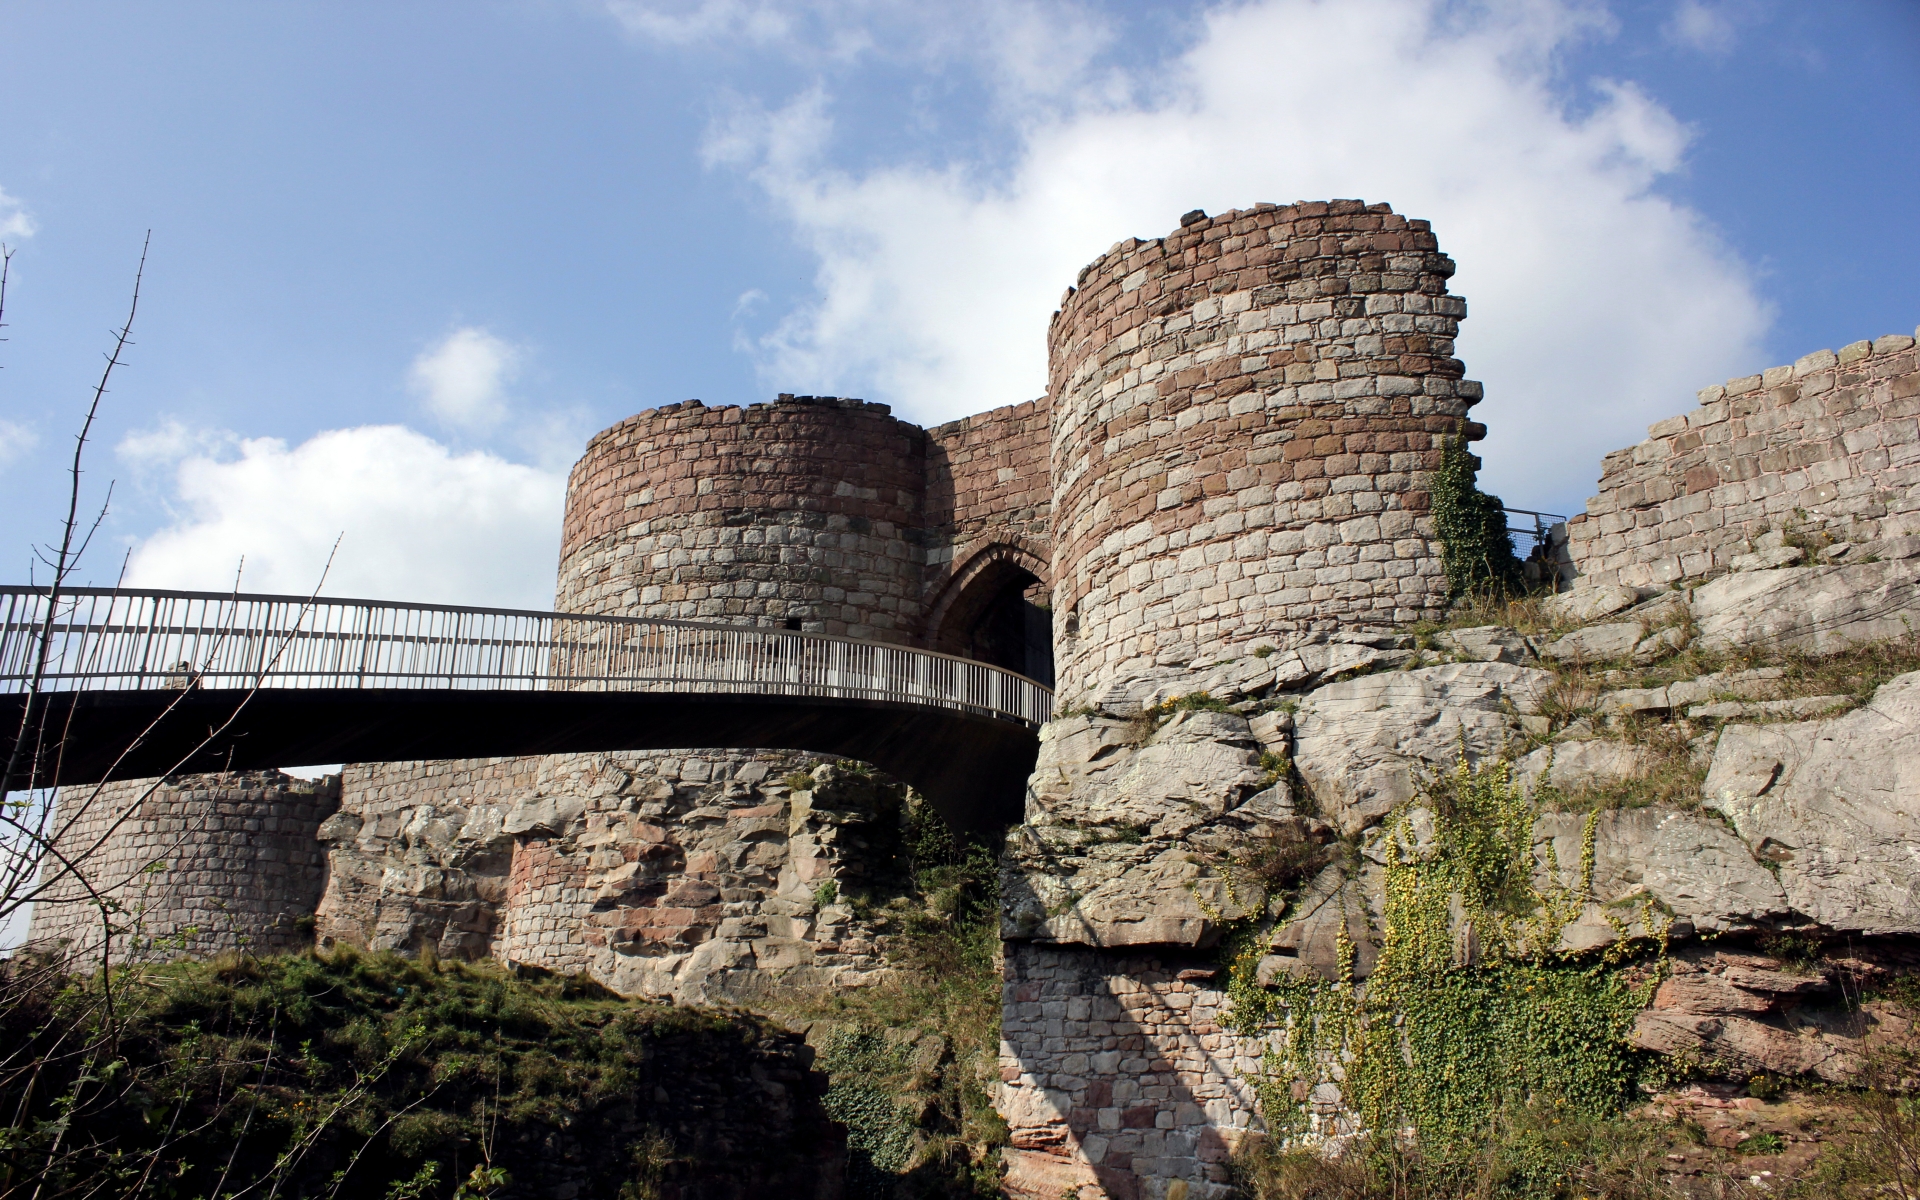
<point>417,855</point>
<point>1242,414</point>
<point>212,864</point>
<point>801,510</point>
<point>703,876</point>
<point>1829,446</point>
<point>1119,1077</point>
<point>987,492</point>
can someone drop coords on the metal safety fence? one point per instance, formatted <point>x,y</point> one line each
<point>117,639</point>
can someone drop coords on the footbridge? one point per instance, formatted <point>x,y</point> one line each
<point>118,683</point>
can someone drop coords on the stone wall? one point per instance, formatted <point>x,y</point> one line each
<point>988,502</point>
<point>1241,413</point>
<point>212,864</point>
<point>417,857</point>
<point>804,510</point>
<point>1828,447</point>
<point>1117,1077</point>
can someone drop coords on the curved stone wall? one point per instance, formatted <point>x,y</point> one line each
<point>212,864</point>
<point>801,510</point>
<point>1242,412</point>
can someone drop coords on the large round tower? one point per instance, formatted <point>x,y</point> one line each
<point>1242,413</point>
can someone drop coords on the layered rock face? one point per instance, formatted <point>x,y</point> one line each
<point>701,877</point>
<point>1242,412</point>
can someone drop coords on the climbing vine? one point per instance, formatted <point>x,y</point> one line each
<point>1475,548</point>
<point>1471,1019</point>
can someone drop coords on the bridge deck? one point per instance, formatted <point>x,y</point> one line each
<point>134,683</point>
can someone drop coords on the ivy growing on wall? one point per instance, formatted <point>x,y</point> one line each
<point>1474,546</point>
<point>1470,1020</point>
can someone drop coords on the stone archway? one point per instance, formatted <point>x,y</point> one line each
<point>996,609</point>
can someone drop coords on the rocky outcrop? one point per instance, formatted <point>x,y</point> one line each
<point>1128,823</point>
<point>1656,872</point>
<point>1740,1014</point>
<point>1361,745</point>
<point>1819,609</point>
<point>1833,807</point>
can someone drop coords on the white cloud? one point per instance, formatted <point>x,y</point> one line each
<point>15,221</point>
<point>15,440</point>
<point>463,380</point>
<point>1598,305</point>
<point>415,520</point>
<point>166,444</point>
<point>1701,26</point>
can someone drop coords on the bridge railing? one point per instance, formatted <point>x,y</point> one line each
<point>106,639</point>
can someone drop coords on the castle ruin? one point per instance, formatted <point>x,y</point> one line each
<point>1225,483</point>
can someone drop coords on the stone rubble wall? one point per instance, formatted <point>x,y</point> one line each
<point>1829,446</point>
<point>803,510</point>
<point>212,864</point>
<point>690,875</point>
<point>987,494</point>
<point>705,877</point>
<point>1242,413</point>
<point>416,855</point>
<point>1115,1073</point>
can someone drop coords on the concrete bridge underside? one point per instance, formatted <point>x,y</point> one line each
<point>973,769</point>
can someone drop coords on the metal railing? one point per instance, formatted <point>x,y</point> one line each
<point>1542,528</point>
<point>108,639</point>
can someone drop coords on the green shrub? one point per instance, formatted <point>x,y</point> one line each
<point>361,1077</point>
<point>1475,548</point>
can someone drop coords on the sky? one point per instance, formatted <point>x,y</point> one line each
<point>405,259</point>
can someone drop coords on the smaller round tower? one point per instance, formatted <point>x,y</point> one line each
<point>796,513</point>
<point>1243,412</point>
<point>210,864</point>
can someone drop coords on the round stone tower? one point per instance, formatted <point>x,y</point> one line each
<point>1242,415</point>
<point>199,866</point>
<point>796,514</point>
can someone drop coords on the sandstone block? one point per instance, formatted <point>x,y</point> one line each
<point>1360,746</point>
<point>1831,804</point>
<point>1822,609</point>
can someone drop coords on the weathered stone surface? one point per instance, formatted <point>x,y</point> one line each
<point>1799,706</point>
<point>1652,863</point>
<point>1486,643</point>
<point>1307,942</point>
<point>1630,640</point>
<point>1360,745</point>
<point>1190,770</point>
<point>1115,894</point>
<point>1739,1015</point>
<point>1822,609</point>
<point>1572,766</point>
<point>1587,603</point>
<point>691,876</point>
<point>1596,643</point>
<point>1835,805</point>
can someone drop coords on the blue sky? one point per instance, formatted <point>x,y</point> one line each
<point>406,258</point>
